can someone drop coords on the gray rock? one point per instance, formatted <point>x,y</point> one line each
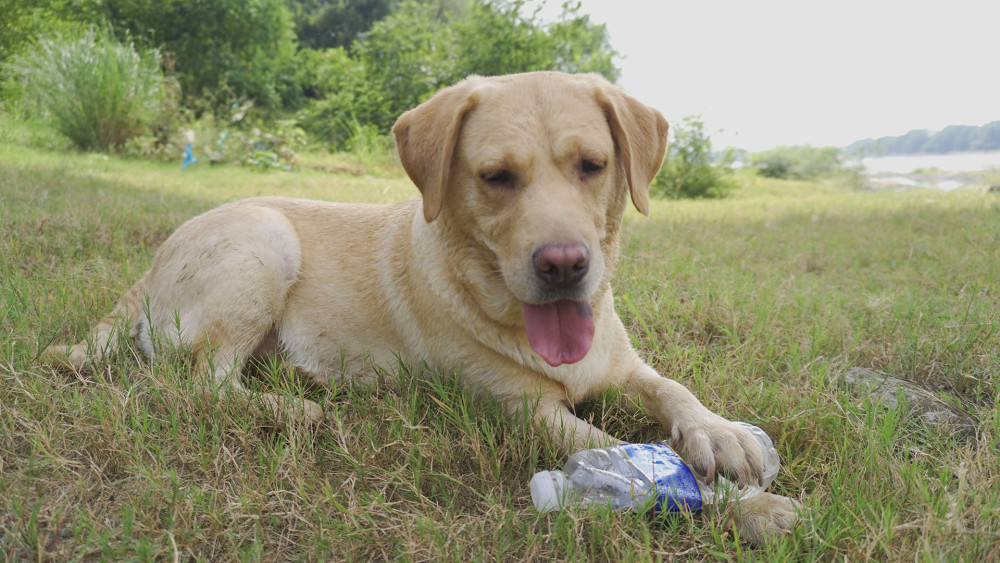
<point>929,407</point>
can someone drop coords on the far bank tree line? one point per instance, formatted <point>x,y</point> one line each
<point>953,138</point>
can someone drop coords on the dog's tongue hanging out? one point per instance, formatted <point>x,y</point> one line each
<point>560,332</point>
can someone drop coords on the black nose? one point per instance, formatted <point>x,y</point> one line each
<point>561,264</point>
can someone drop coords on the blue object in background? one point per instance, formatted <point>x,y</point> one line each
<point>189,158</point>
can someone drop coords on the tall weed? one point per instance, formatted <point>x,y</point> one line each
<point>97,92</point>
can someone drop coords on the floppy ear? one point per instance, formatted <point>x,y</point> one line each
<point>640,134</point>
<point>426,137</point>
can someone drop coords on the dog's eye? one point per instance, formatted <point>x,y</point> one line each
<point>498,178</point>
<point>590,167</point>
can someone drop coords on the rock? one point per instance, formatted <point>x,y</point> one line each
<point>929,407</point>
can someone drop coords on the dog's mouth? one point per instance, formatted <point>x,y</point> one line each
<point>561,332</point>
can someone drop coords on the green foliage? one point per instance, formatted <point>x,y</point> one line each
<point>497,38</point>
<point>406,58</point>
<point>244,48</point>
<point>691,170</point>
<point>99,93</point>
<point>798,162</point>
<point>417,50</point>
<point>322,24</point>
<point>500,37</point>
<point>270,149</point>
<point>385,56</point>
<point>370,145</point>
<point>582,46</point>
<point>343,95</point>
<point>22,22</point>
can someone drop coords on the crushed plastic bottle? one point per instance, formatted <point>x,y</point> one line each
<point>629,476</point>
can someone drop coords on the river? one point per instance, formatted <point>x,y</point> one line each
<point>941,171</point>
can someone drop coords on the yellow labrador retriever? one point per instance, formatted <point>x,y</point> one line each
<point>502,271</point>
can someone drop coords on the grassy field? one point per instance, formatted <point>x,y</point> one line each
<point>755,302</point>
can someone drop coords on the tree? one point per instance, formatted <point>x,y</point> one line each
<point>407,57</point>
<point>245,47</point>
<point>951,138</point>
<point>22,22</point>
<point>424,46</point>
<point>690,169</point>
<point>499,37</point>
<point>582,46</point>
<point>322,24</point>
<point>988,138</point>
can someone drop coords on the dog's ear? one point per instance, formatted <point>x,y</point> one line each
<point>640,134</point>
<point>426,137</point>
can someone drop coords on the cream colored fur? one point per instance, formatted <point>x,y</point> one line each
<point>339,288</point>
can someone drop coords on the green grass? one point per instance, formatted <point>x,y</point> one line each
<point>754,302</point>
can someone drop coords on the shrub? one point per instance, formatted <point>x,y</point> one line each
<point>808,163</point>
<point>797,163</point>
<point>272,149</point>
<point>691,170</point>
<point>96,91</point>
<point>342,97</point>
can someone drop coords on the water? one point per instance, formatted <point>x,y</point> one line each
<point>938,171</point>
<point>953,162</point>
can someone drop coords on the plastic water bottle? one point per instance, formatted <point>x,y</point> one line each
<point>629,476</point>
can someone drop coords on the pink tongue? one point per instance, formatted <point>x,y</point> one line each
<point>559,332</point>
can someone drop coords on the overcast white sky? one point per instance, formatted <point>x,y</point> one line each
<point>772,72</point>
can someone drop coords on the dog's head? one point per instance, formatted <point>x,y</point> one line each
<point>536,169</point>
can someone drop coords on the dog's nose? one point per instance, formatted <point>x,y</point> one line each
<point>561,264</point>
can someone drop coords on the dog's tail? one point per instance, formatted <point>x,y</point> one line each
<point>124,322</point>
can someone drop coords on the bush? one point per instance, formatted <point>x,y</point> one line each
<point>96,91</point>
<point>342,97</point>
<point>797,163</point>
<point>691,170</point>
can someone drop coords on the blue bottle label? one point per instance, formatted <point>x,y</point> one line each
<point>676,487</point>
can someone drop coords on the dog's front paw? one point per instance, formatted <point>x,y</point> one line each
<point>710,443</point>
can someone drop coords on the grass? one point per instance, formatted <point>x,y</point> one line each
<point>755,302</point>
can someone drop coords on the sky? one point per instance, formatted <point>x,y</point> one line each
<point>764,73</point>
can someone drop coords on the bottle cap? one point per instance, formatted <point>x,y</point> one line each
<point>547,490</point>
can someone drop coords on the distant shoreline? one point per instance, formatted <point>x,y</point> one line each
<point>951,139</point>
<point>956,170</point>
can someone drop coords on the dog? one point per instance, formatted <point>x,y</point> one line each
<point>500,272</point>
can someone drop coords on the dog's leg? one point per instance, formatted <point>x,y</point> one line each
<point>218,368</point>
<point>224,277</point>
<point>563,427</point>
<point>705,440</point>
<point>125,321</point>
